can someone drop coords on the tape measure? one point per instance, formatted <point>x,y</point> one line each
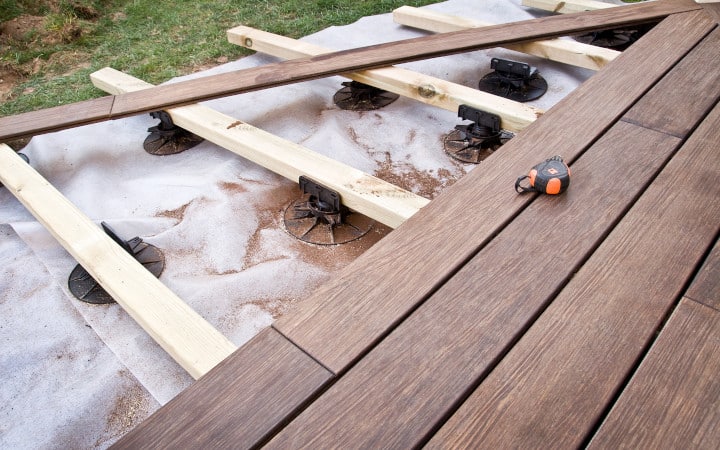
<point>551,176</point>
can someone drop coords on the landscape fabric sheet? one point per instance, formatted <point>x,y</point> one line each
<point>77,375</point>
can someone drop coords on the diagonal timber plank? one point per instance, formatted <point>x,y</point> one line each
<point>515,116</point>
<point>551,389</point>
<point>375,56</point>
<point>561,50</point>
<point>337,331</point>
<point>363,193</point>
<point>195,344</point>
<point>269,378</point>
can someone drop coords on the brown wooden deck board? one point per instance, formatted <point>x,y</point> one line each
<point>346,317</point>
<point>690,91</point>
<point>236,404</point>
<point>236,82</point>
<point>705,288</point>
<point>397,394</point>
<point>673,401</point>
<point>554,385</point>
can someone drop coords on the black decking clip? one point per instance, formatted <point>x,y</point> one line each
<point>319,217</point>
<point>84,287</point>
<point>166,138</point>
<point>513,80</point>
<point>477,140</point>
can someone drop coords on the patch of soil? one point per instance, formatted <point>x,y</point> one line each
<point>24,28</point>
<point>9,78</point>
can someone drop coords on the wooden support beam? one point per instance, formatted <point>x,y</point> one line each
<point>514,116</point>
<point>195,344</point>
<point>363,193</point>
<point>371,57</point>
<point>567,6</point>
<point>560,50</point>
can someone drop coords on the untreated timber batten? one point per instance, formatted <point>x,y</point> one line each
<point>195,344</point>
<point>514,116</point>
<point>215,86</point>
<point>560,50</point>
<point>359,191</point>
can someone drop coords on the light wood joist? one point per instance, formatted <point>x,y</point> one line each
<point>561,50</point>
<point>567,6</point>
<point>189,339</point>
<point>359,191</point>
<point>371,57</point>
<point>514,116</point>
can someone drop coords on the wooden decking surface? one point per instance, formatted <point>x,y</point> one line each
<point>495,320</point>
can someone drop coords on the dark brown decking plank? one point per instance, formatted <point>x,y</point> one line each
<point>347,316</point>
<point>660,110</point>
<point>46,120</point>
<point>206,88</point>
<point>399,392</point>
<point>236,404</point>
<point>673,401</point>
<point>713,10</point>
<point>705,288</point>
<point>554,385</point>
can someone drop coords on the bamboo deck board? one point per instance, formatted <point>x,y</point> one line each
<point>705,288</point>
<point>400,391</point>
<point>552,388</point>
<point>690,91</point>
<point>379,302</point>
<point>673,400</point>
<point>270,378</point>
<point>523,322</point>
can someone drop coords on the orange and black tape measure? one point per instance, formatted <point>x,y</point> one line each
<point>551,176</point>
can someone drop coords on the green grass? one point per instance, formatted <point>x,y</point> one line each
<point>151,39</point>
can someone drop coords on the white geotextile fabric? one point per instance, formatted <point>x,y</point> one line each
<point>78,375</point>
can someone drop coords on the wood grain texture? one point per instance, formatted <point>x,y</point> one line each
<point>673,401</point>
<point>368,195</point>
<point>690,90</point>
<point>188,338</point>
<point>238,403</point>
<point>705,288</point>
<point>397,394</point>
<point>515,116</point>
<point>712,10</point>
<point>221,85</point>
<point>347,316</point>
<point>553,386</point>
<point>566,51</point>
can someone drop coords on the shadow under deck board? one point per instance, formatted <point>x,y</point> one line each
<point>345,318</point>
<point>554,385</point>
<point>270,75</point>
<point>237,403</point>
<point>673,401</point>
